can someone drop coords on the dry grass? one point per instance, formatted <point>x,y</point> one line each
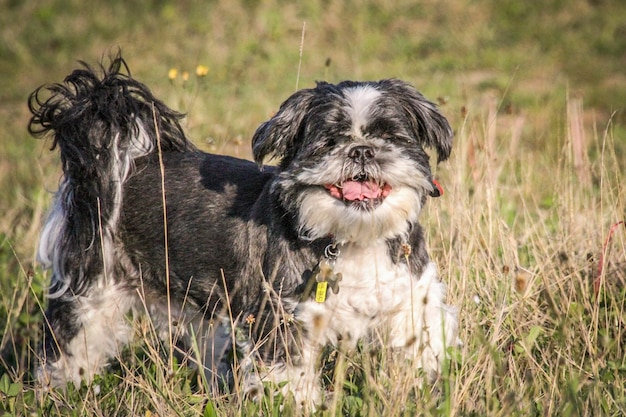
<point>517,237</point>
<point>520,238</point>
<point>534,184</point>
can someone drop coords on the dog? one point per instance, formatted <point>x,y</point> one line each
<point>265,265</point>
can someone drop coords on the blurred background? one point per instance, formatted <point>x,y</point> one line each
<point>526,85</point>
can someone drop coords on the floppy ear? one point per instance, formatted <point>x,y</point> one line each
<point>428,124</point>
<point>277,136</point>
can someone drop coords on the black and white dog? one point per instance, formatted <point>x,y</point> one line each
<point>325,247</point>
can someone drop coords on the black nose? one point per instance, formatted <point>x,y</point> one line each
<point>361,154</point>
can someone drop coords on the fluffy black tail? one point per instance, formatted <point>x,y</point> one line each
<point>101,120</point>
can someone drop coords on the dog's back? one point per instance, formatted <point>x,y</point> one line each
<point>210,201</point>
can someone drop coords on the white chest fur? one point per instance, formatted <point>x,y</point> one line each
<point>372,289</point>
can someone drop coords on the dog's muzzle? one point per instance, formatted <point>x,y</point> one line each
<point>360,191</point>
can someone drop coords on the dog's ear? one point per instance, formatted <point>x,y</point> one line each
<point>428,124</point>
<point>278,136</point>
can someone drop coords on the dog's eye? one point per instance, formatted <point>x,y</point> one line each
<point>405,138</point>
<point>337,139</point>
<point>397,138</point>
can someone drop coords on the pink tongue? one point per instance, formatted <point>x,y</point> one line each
<point>356,190</point>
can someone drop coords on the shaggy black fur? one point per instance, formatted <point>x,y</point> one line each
<point>231,229</point>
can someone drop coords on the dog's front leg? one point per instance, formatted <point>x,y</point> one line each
<point>297,375</point>
<point>425,326</point>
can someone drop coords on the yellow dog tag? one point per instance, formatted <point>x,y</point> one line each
<point>320,291</point>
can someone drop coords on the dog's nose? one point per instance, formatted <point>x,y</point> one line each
<point>361,154</point>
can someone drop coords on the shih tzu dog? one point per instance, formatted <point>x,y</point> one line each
<point>264,265</point>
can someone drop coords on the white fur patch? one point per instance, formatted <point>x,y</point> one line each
<point>373,293</point>
<point>50,233</point>
<point>361,100</point>
<point>49,252</point>
<point>104,331</point>
<point>322,215</point>
<point>376,298</point>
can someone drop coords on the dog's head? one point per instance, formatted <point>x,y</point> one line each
<point>351,157</point>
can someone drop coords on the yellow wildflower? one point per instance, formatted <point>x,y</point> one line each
<point>202,71</point>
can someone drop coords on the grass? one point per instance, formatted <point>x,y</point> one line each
<point>535,182</point>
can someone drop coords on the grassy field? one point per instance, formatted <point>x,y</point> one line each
<point>535,92</point>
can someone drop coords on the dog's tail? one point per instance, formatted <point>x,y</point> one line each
<point>101,120</point>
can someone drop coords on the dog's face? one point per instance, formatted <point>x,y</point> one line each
<point>352,159</point>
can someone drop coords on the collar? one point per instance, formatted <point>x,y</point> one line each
<point>323,276</point>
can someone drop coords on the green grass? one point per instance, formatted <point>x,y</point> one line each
<point>535,93</point>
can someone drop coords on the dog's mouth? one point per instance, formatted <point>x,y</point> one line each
<point>360,192</point>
